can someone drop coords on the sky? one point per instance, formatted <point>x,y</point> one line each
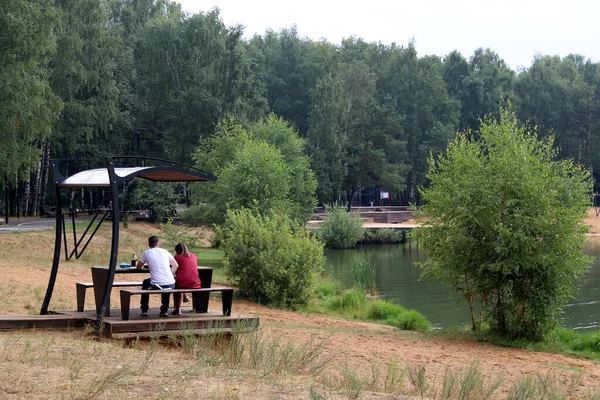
<point>516,30</point>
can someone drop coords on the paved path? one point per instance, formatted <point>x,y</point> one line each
<point>27,224</point>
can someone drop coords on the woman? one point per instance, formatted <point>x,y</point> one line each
<point>186,276</point>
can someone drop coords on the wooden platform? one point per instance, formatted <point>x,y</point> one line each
<point>137,326</point>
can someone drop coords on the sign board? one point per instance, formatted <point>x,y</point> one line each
<point>384,195</point>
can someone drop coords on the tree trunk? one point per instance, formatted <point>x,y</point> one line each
<point>37,189</point>
<point>27,197</point>
<point>45,173</point>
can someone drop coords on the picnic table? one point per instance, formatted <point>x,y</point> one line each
<point>100,276</point>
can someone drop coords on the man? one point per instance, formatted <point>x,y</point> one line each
<point>162,268</point>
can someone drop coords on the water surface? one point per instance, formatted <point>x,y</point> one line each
<point>397,280</point>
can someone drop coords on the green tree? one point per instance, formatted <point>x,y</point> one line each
<point>281,66</point>
<point>554,96</point>
<point>504,225</point>
<point>262,167</point>
<point>190,72</point>
<point>28,108</point>
<point>326,141</point>
<point>83,75</point>
<point>429,115</point>
<point>488,85</point>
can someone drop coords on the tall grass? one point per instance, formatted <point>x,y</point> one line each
<point>247,347</point>
<point>363,272</point>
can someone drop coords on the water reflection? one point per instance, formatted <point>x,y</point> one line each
<point>398,281</point>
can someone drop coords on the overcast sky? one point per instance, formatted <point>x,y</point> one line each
<point>515,29</point>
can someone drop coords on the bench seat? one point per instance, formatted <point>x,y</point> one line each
<point>200,298</point>
<point>82,286</point>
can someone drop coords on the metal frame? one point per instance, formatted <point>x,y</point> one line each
<point>113,185</point>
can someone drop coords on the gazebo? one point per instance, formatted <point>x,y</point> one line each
<point>107,178</point>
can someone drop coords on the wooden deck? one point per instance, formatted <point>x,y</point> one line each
<point>136,326</point>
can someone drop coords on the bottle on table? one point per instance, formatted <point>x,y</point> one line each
<point>133,259</point>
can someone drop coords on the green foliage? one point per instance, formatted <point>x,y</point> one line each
<point>159,197</point>
<point>383,236</point>
<point>382,310</point>
<point>262,167</point>
<point>174,234</point>
<point>28,108</point>
<point>341,229</point>
<point>504,225</point>
<point>352,303</point>
<point>559,340</point>
<point>269,259</point>
<point>192,216</point>
<point>326,288</point>
<point>410,320</point>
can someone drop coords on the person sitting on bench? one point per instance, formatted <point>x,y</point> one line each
<point>162,267</point>
<point>187,274</point>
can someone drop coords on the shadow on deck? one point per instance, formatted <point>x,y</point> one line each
<point>137,326</point>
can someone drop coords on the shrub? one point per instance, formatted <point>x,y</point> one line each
<point>269,259</point>
<point>383,236</point>
<point>341,229</point>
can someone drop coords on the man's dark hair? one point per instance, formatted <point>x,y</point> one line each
<point>153,241</point>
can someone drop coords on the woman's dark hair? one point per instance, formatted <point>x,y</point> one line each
<point>181,248</point>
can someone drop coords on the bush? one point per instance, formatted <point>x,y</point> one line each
<point>269,259</point>
<point>383,236</point>
<point>341,229</point>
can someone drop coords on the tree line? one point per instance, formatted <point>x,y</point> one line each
<point>91,78</point>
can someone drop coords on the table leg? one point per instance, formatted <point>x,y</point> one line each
<point>200,301</point>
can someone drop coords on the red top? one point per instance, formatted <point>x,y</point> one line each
<point>186,276</point>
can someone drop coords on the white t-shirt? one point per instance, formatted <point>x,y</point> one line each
<point>159,266</point>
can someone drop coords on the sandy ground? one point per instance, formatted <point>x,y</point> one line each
<point>358,345</point>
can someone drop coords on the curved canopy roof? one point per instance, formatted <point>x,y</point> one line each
<point>98,178</point>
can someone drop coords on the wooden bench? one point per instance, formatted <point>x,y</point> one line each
<point>82,286</point>
<point>199,298</point>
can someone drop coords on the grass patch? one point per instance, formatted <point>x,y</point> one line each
<point>354,304</point>
<point>559,340</point>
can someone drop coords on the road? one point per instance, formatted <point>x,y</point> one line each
<point>27,224</point>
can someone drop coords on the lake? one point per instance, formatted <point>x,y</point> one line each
<point>397,280</point>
